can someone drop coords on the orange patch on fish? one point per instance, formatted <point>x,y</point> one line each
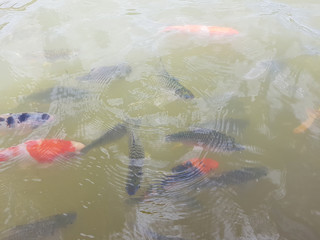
<point>205,165</point>
<point>211,30</point>
<point>312,115</point>
<point>47,150</point>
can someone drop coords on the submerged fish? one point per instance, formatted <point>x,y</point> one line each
<point>40,229</point>
<point>207,138</point>
<point>202,29</point>
<point>187,171</point>
<point>312,115</point>
<point>106,73</point>
<point>23,122</point>
<point>58,93</point>
<point>113,134</point>
<point>49,150</point>
<point>59,54</point>
<point>174,85</point>
<point>238,176</point>
<point>42,150</point>
<point>136,156</point>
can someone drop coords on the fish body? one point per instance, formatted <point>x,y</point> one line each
<point>40,229</point>
<point>105,74</point>
<point>209,139</point>
<point>42,150</point>
<point>202,29</point>
<point>174,85</point>
<point>23,122</point>
<point>58,93</point>
<point>238,176</point>
<point>312,115</point>
<point>113,134</point>
<point>136,156</point>
<point>187,171</point>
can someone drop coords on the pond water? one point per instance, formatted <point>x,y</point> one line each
<point>256,86</point>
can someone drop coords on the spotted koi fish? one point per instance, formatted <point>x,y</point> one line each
<point>202,29</point>
<point>312,115</point>
<point>23,122</point>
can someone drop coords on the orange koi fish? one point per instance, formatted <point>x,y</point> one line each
<point>202,29</point>
<point>42,150</point>
<point>49,150</point>
<point>312,115</point>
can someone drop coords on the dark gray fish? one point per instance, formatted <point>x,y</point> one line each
<point>105,74</point>
<point>238,176</point>
<point>115,133</point>
<point>40,229</point>
<point>57,93</point>
<point>269,67</point>
<point>208,139</point>
<point>22,122</point>
<point>174,85</point>
<point>136,156</point>
<point>59,54</point>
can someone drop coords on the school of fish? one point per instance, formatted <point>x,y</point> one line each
<point>47,151</point>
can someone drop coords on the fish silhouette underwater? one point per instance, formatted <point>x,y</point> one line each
<point>40,229</point>
<point>22,123</point>
<point>312,116</point>
<point>173,84</point>
<point>202,29</point>
<point>136,156</point>
<point>181,174</point>
<point>50,150</point>
<point>105,74</point>
<point>209,139</point>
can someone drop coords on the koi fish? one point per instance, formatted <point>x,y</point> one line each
<point>188,170</point>
<point>174,85</point>
<point>202,29</point>
<point>106,73</point>
<point>136,156</point>
<point>40,229</point>
<point>312,115</point>
<point>23,122</point>
<point>208,139</point>
<point>49,150</point>
<point>42,150</point>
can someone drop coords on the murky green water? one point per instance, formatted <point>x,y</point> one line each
<point>267,76</point>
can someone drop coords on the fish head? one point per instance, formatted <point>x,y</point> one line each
<point>184,93</point>
<point>65,219</point>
